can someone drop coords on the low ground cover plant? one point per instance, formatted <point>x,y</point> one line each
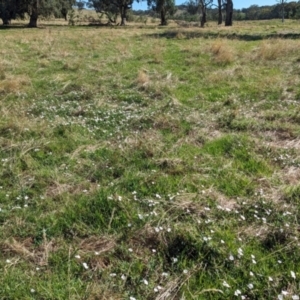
<point>150,163</point>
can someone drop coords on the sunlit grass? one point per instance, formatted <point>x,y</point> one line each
<point>150,163</point>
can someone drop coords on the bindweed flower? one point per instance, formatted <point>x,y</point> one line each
<point>293,274</point>
<point>250,286</point>
<point>85,265</point>
<point>123,277</point>
<point>237,293</point>
<point>145,281</point>
<point>226,284</point>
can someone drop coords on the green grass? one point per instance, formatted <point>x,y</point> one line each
<point>145,162</point>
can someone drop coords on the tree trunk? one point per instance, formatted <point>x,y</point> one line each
<point>282,12</point>
<point>220,16</point>
<point>203,17</point>
<point>163,20</point>
<point>123,17</point>
<point>6,21</point>
<point>229,13</point>
<point>34,15</point>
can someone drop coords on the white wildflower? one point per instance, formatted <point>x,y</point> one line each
<point>293,274</point>
<point>85,265</point>
<point>237,293</point>
<point>226,284</point>
<point>250,286</point>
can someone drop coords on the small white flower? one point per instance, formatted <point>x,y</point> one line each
<point>8,261</point>
<point>112,274</point>
<point>226,284</point>
<point>130,250</point>
<point>270,278</point>
<point>222,242</point>
<point>85,265</point>
<point>145,281</point>
<point>175,259</point>
<point>293,274</point>
<point>279,261</point>
<point>164,274</point>
<point>251,273</point>
<point>168,229</point>
<point>97,253</point>
<point>77,256</point>
<point>237,293</point>
<point>123,277</point>
<point>32,290</point>
<point>254,261</point>
<point>231,257</point>
<point>280,297</point>
<point>185,271</point>
<point>132,298</point>
<point>295,297</point>
<point>284,293</point>
<point>250,286</point>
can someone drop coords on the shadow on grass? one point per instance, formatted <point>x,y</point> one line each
<point>174,34</point>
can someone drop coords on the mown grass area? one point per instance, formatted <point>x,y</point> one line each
<point>150,163</point>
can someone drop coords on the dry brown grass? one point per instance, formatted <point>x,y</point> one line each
<point>143,79</point>
<point>222,52</point>
<point>14,84</point>
<point>275,49</point>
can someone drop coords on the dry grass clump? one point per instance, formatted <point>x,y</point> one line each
<point>274,49</point>
<point>143,79</point>
<point>222,52</point>
<point>13,84</point>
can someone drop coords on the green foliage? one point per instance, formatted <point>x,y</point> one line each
<point>141,162</point>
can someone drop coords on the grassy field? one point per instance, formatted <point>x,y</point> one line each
<point>150,163</point>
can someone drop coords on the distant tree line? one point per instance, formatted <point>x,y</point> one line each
<point>193,10</point>
<point>207,11</point>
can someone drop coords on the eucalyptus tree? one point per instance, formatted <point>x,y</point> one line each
<point>12,9</point>
<point>199,6</point>
<point>229,12</point>
<point>112,8</point>
<point>282,3</point>
<point>8,10</point>
<point>220,15</point>
<point>164,7</point>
